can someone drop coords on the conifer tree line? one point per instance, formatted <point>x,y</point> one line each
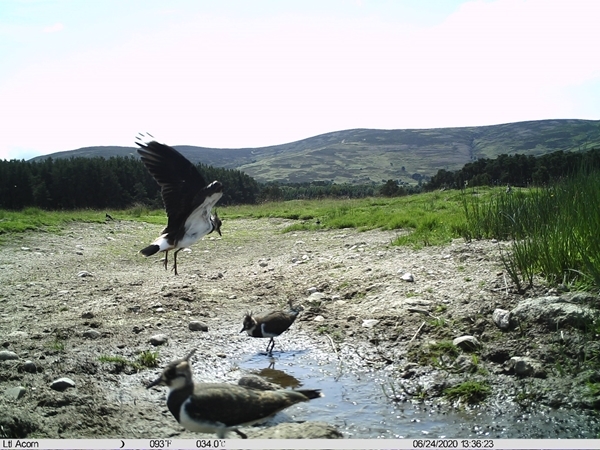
<point>100,183</point>
<point>121,182</point>
<point>516,170</point>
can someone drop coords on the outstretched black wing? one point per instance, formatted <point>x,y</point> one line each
<point>178,178</point>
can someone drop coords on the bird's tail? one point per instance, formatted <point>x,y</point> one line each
<point>150,250</point>
<point>310,393</point>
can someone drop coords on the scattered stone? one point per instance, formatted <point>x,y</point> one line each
<point>92,334</point>
<point>501,318</point>
<point>232,297</point>
<point>25,249</point>
<point>17,335</point>
<point>159,339</point>
<point>6,355</point>
<point>316,296</point>
<point>370,323</point>
<point>319,319</point>
<point>88,315</point>
<point>553,312</point>
<point>84,273</point>
<point>408,277</point>
<point>29,366</point>
<point>160,310</point>
<point>311,290</point>
<point>62,384</point>
<point>467,343</point>
<point>263,264</point>
<point>525,366</point>
<point>197,326</point>
<point>305,430</point>
<point>15,393</point>
<point>464,364</point>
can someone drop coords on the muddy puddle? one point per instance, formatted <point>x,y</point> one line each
<point>358,401</point>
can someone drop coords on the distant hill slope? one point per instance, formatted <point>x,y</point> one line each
<point>366,155</point>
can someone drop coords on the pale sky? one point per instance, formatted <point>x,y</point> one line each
<point>231,74</point>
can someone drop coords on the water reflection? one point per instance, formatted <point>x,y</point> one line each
<point>356,403</point>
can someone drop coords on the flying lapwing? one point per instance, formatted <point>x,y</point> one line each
<point>270,325</point>
<point>220,407</point>
<point>188,199</point>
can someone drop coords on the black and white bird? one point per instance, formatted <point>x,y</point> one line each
<point>188,199</point>
<point>221,407</point>
<point>270,325</point>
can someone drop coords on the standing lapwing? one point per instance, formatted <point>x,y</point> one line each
<point>221,407</point>
<point>187,198</point>
<point>270,325</point>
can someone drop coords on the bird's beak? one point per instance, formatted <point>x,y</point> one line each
<point>243,329</point>
<point>155,383</point>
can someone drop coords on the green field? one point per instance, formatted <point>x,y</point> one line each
<point>553,230</point>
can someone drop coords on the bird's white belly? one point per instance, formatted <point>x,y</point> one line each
<point>198,427</point>
<point>196,232</point>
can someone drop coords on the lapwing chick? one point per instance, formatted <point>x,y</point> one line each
<point>220,407</point>
<point>188,199</point>
<point>270,325</point>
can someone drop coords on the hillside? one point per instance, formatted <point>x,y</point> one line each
<point>368,155</point>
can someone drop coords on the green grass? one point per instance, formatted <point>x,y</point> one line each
<point>554,230</point>
<point>433,218</point>
<point>145,359</point>
<point>35,219</point>
<point>469,392</point>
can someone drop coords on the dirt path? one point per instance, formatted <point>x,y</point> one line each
<point>68,299</point>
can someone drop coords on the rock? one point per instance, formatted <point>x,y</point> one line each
<point>370,323</point>
<point>15,393</point>
<point>159,339</point>
<point>263,264</point>
<point>464,364</point>
<point>7,355</point>
<point>25,249</point>
<point>311,290</point>
<point>524,366</point>
<point>306,430</point>
<point>408,277</point>
<point>553,312</point>
<point>88,315</point>
<point>467,343</point>
<point>29,366</point>
<point>160,310</point>
<point>62,384</point>
<point>501,318</point>
<point>17,335</point>
<point>319,319</point>
<point>84,273</point>
<point>92,334</point>
<point>317,296</point>
<point>197,326</point>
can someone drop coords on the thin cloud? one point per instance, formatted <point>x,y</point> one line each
<point>53,28</point>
